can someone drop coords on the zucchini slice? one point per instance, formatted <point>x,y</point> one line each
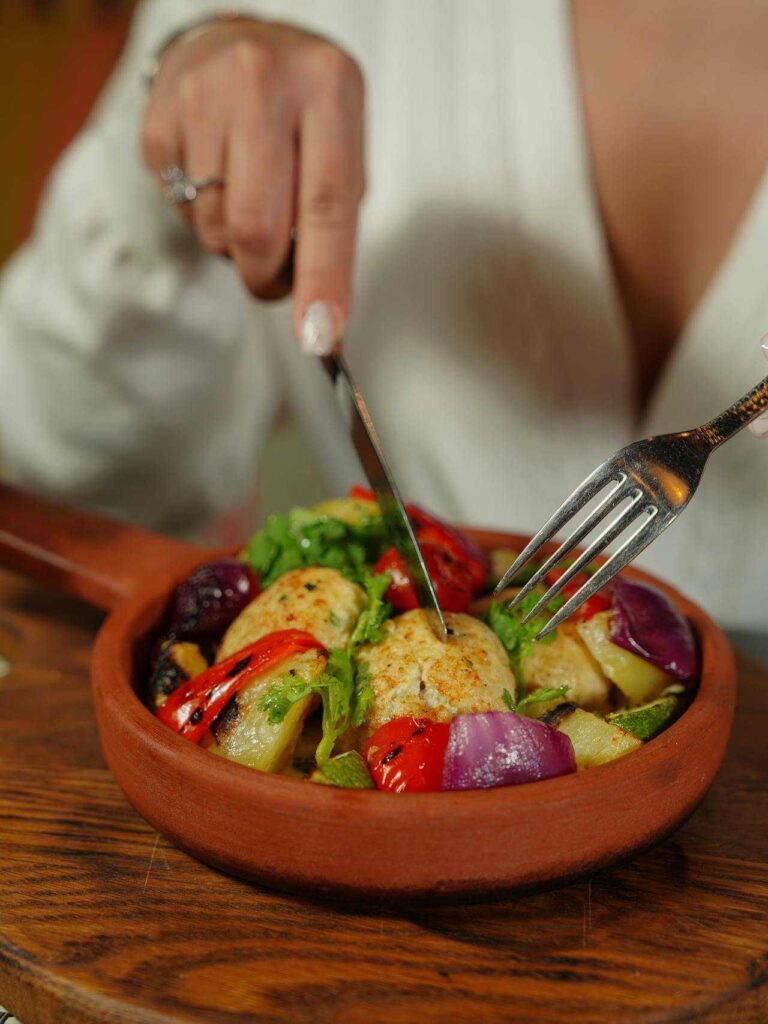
<point>648,720</point>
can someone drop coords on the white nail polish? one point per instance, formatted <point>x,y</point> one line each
<point>759,427</point>
<point>317,337</point>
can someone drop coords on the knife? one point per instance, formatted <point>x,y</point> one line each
<point>368,447</point>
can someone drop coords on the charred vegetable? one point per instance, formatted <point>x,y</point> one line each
<point>451,578</point>
<point>594,740</point>
<point>648,720</point>
<point>638,679</point>
<point>407,754</point>
<point>194,707</point>
<point>211,597</point>
<point>646,623</point>
<point>501,748</point>
<point>176,663</point>
<point>245,733</point>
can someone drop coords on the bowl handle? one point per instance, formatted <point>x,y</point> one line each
<point>82,553</point>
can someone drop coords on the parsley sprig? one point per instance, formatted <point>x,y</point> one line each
<point>538,696</point>
<point>302,538</point>
<point>346,696</point>
<point>518,637</point>
<point>344,686</point>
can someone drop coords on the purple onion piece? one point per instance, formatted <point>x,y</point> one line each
<point>645,622</point>
<point>501,748</point>
<point>210,599</point>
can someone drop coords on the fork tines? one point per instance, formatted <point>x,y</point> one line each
<point>622,489</point>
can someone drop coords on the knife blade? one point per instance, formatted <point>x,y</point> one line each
<point>368,447</point>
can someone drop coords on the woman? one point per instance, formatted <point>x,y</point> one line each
<point>562,250</point>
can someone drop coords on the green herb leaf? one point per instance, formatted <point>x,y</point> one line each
<point>363,694</point>
<point>348,771</point>
<point>518,639</point>
<point>544,693</point>
<point>304,538</point>
<point>534,697</point>
<point>344,686</point>
<point>280,698</point>
<point>346,697</point>
<point>376,612</point>
<point>336,688</point>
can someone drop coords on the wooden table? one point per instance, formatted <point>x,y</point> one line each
<point>101,920</point>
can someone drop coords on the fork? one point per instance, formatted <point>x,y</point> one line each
<point>657,476</point>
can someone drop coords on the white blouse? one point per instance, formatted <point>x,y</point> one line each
<point>138,377</point>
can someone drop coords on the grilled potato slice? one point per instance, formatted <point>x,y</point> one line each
<point>243,732</point>
<point>594,740</point>
<point>638,680</point>
<point>566,661</point>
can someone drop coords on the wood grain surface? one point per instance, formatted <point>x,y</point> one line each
<point>102,921</point>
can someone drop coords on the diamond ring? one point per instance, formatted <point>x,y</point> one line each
<point>179,189</point>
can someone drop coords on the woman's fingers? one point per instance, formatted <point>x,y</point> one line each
<point>260,169</point>
<point>278,113</point>
<point>331,185</point>
<point>161,140</point>
<point>203,132</point>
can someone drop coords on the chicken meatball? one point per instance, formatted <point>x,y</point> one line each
<point>320,601</point>
<point>414,673</point>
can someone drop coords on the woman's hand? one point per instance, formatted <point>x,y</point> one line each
<point>278,113</point>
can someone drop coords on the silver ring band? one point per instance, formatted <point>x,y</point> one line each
<point>179,189</point>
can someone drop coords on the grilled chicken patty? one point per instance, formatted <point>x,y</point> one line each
<point>320,601</point>
<point>414,673</point>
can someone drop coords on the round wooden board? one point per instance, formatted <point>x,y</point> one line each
<point>103,921</point>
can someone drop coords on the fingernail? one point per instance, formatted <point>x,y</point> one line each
<point>759,427</point>
<point>317,334</point>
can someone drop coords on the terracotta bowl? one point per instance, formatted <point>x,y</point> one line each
<point>298,836</point>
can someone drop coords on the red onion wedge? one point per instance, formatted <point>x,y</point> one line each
<point>647,624</point>
<point>210,598</point>
<point>502,748</point>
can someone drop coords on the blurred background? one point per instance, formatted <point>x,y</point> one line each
<point>55,56</point>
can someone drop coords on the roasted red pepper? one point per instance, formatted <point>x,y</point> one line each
<point>430,530</point>
<point>599,602</point>
<point>451,579</point>
<point>407,755</point>
<point>194,706</point>
<point>434,532</point>
<point>400,593</point>
<point>361,493</point>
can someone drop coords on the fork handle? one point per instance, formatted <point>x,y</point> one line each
<point>736,416</point>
